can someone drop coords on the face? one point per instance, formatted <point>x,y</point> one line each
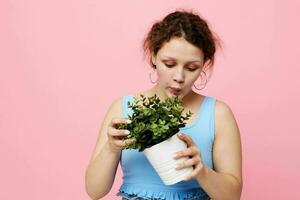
<point>178,64</point>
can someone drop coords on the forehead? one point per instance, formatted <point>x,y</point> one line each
<point>179,48</point>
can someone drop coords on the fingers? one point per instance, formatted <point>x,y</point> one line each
<point>113,132</point>
<point>117,132</point>
<point>191,151</point>
<point>116,121</point>
<point>122,143</point>
<point>188,163</point>
<point>116,136</point>
<point>200,169</point>
<point>187,139</point>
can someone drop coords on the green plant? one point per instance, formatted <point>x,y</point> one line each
<point>153,120</point>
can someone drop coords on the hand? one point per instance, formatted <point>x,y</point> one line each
<point>194,155</point>
<point>115,135</point>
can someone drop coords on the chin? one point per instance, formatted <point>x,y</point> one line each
<point>174,95</point>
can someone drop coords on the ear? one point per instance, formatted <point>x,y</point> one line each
<point>206,65</point>
<point>153,59</point>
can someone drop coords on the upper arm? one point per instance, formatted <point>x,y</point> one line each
<point>227,150</point>
<point>114,111</point>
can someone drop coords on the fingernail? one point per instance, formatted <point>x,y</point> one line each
<point>175,155</point>
<point>128,121</point>
<point>127,132</point>
<point>180,134</point>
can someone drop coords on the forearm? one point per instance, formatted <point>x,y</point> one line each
<point>219,186</point>
<point>101,172</point>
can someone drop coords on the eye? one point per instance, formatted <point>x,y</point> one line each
<point>193,69</point>
<point>168,65</point>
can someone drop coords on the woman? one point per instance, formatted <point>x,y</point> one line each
<point>180,48</point>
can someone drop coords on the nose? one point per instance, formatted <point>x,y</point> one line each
<point>179,76</point>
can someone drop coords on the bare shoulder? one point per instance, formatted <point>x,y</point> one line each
<point>115,109</point>
<point>116,106</point>
<point>223,116</point>
<point>222,108</point>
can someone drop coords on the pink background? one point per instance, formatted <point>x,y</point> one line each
<point>62,62</point>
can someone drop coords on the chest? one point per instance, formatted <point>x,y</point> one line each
<point>195,108</point>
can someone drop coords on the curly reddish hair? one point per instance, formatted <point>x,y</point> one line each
<point>187,24</point>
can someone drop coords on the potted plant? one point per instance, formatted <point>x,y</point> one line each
<point>154,126</point>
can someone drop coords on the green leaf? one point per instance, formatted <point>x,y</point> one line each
<point>154,120</point>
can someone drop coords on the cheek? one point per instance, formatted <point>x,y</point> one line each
<point>190,82</point>
<point>197,76</point>
<point>193,78</point>
<point>163,75</point>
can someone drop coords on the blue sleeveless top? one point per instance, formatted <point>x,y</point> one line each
<point>140,178</point>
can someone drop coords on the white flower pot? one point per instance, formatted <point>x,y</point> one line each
<point>161,158</point>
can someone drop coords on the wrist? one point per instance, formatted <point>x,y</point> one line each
<point>203,173</point>
<point>111,149</point>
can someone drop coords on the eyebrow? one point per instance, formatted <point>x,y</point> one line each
<point>169,57</point>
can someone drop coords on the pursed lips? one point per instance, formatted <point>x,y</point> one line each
<point>175,90</point>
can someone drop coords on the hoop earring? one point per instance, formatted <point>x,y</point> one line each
<point>201,82</point>
<point>150,77</point>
